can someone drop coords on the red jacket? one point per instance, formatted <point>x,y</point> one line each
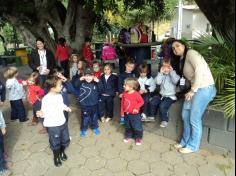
<point>129,102</point>
<point>34,93</point>
<point>98,74</point>
<point>87,53</point>
<point>62,53</point>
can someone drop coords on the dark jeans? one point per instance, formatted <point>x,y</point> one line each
<point>65,66</point>
<point>42,79</point>
<point>164,104</point>
<point>58,136</point>
<point>145,107</point>
<point>133,126</point>
<point>18,110</point>
<point>89,117</point>
<point>2,160</point>
<point>36,107</point>
<point>106,106</point>
<point>66,114</point>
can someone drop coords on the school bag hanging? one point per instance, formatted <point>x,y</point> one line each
<point>124,36</point>
<point>108,52</point>
<point>135,35</point>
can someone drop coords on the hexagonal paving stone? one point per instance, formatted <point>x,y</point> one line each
<point>90,151</point>
<point>150,137</point>
<point>58,171</point>
<point>160,147</point>
<point>73,149</point>
<point>127,173</point>
<point>138,167</point>
<point>87,141</point>
<point>17,156</point>
<point>95,163</point>
<point>75,161</point>
<point>82,171</point>
<point>184,169</point>
<point>172,157</point>
<point>150,156</point>
<point>129,155</point>
<point>38,169</point>
<point>210,170</point>
<point>38,147</point>
<point>161,168</point>
<point>101,172</point>
<point>103,144</point>
<point>116,165</point>
<point>195,159</point>
<point>110,153</point>
<point>20,167</point>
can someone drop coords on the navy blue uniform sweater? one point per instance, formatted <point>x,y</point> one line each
<point>121,79</point>
<point>109,87</point>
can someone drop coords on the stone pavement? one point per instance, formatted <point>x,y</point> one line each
<point>106,155</point>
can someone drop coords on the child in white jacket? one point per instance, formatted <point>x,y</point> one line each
<point>147,87</point>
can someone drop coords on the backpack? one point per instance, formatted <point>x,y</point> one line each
<point>124,36</point>
<point>108,52</point>
<point>135,35</point>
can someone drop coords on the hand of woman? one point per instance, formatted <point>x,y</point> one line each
<point>189,95</point>
<point>47,71</point>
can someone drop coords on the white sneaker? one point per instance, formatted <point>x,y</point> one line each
<point>108,119</point>
<point>163,124</point>
<point>178,146</point>
<point>103,119</point>
<point>185,150</point>
<point>144,117</point>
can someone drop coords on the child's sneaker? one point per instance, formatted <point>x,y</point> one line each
<point>5,172</point>
<point>127,140</point>
<point>163,124</point>
<point>96,131</point>
<point>108,119</point>
<point>83,133</point>
<point>144,117</point>
<point>103,119</point>
<point>122,121</point>
<point>138,141</point>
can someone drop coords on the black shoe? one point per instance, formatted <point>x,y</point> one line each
<point>57,160</point>
<point>62,154</point>
<point>25,120</point>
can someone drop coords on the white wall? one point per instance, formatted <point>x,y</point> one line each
<point>187,24</point>
<point>199,23</point>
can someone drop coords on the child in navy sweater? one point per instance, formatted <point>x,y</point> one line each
<point>108,92</point>
<point>129,67</point>
<point>131,103</point>
<point>89,88</point>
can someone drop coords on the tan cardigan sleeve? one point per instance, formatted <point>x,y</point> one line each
<point>198,64</point>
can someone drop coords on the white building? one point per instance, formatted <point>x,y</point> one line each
<point>194,22</point>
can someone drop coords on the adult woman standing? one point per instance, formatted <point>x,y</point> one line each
<point>195,69</point>
<point>62,55</point>
<point>42,60</point>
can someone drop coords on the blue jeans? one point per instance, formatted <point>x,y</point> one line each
<point>2,160</point>
<point>89,117</point>
<point>133,126</point>
<point>18,110</point>
<point>58,136</point>
<point>192,113</point>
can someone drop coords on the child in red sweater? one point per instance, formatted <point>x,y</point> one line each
<point>131,103</point>
<point>97,72</point>
<point>87,52</point>
<point>34,95</point>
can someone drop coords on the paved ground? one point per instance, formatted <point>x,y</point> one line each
<point>106,155</point>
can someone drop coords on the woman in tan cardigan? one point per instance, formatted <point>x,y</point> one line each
<point>193,68</point>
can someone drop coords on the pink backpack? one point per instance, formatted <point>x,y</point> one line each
<point>108,52</point>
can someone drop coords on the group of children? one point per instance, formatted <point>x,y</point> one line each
<point>95,90</point>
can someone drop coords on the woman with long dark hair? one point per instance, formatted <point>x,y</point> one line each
<point>41,60</point>
<point>193,67</point>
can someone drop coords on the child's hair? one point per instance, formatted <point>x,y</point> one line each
<point>71,58</point>
<point>143,68</point>
<point>87,39</point>
<point>10,72</point>
<point>61,41</point>
<point>96,62</point>
<point>84,65</point>
<point>130,61</point>
<point>34,77</point>
<point>40,39</point>
<point>165,63</point>
<point>56,70</point>
<point>51,81</point>
<point>132,82</point>
<point>108,65</point>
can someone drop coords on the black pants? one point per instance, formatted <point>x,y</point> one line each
<point>18,110</point>
<point>65,66</point>
<point>58,136</point>
<point>106,106</point>
<point>2,160</point>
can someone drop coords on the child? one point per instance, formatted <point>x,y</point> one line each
<point>129,67</point>
<point>3,170</point>
<point>88,100</point>
<point>74,59</point>
<point>109,84</point>
<point>52,111</point>
<point>16,93</point>
<point>147,87</point>
<point>97,70</point>
<point>34,95</point>
<point>167,79</point>
<point>87,52</point>
<point>131,103</point>
<point>66,89</point>
<point>62,55</point>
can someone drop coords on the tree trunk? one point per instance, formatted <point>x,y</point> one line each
<point>221,15</point>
